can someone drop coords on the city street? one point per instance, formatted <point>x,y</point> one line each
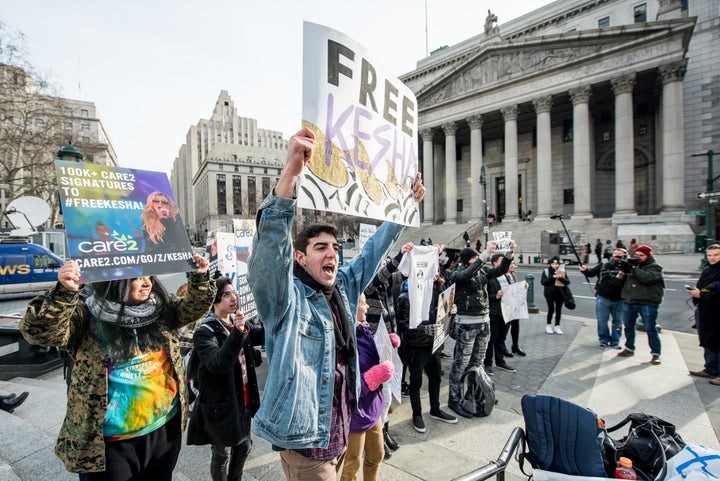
<point>675,311</point>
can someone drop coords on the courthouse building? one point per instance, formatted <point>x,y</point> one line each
<point>588,107</point>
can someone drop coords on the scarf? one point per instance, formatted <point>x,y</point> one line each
<point>124,315</point>
<point>344,342</point>
<point>124,331</point>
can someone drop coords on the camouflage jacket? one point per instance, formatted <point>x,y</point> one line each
<point>59,318</point>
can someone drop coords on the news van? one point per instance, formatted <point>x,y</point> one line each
<point>27,267</point>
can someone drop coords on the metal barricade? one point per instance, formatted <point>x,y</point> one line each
<point>496,468</point>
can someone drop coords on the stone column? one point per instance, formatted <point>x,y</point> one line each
<point>428,203</point>
<point>510,115</point>
<point>450,173</point>
<point>476,207</point>
<point>544,157</point>
<point>624,145</point>
<point>581,150</point>
<point>673,154</point>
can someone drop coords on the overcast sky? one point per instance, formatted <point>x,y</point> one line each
<point>154,68</point>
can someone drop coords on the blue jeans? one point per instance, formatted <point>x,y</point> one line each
<point>712,362</point>
<point>648,314</point>
<point>604,307</point>
<point>471,341</point>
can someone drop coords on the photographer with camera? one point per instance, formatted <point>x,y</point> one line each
<point>608,289</point>
<point>642,293</point>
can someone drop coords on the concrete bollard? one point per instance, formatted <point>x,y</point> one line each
<point>532,308</point>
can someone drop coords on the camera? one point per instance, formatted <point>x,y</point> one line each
<point>628,264</point>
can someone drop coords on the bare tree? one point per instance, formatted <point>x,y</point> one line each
<point>31,121</point>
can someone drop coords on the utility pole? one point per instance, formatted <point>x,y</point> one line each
<point>483,182</point>
<point>709,211</point>
<point>709,217</point>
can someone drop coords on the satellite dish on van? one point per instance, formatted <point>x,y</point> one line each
<point>25,213</point>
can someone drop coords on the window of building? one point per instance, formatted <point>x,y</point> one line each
<point>459,205</point>
<point>568,196</point>
<point>567,130</point>
<point>252,194</point>
<point>237,195</point>
<point>85,127</point>
<point>84,113</point>
<point>39,122</point>
<point>604,22</point>
<point>640,13</point>
<point>221,191</point>
<point>68,125</point>
<point>68,111</point>
<point>265,186</point>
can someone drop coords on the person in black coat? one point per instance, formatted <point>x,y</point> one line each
<point>554,281</point>
<point>226,378</point>
<point>706,296</point>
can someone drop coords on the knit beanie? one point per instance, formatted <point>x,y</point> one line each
<point>647,250</point>
<point>466,254</point>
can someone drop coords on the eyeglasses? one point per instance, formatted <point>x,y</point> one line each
<point>159,201</point>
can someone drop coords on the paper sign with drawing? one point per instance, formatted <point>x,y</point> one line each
<point>365,124</point>
<point>503,240</point>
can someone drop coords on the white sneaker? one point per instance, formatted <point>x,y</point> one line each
<point>558,330</point>
<point>548,328</point>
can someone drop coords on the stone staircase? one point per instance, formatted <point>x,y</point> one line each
<point>525,234</point>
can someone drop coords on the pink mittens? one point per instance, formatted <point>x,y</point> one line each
<point>379,374</point>
<point>395,339</point>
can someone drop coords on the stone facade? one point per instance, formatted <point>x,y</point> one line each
<point>588,107</point>
<point>225,168</point>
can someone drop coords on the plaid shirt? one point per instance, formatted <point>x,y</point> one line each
<point>339,420</point>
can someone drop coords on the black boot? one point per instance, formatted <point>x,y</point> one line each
<point>388,455</point>
<point>389,441</point>
<point>517,351</point>
<point>7,397</point>
<point>9,405</point>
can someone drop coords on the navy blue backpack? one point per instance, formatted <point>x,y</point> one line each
<point>562,437</point>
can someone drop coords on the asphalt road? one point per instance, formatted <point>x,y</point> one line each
<point>675,311</point>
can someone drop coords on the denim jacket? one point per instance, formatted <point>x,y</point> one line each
<point>299,335</point>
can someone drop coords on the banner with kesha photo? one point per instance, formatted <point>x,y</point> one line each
<point>121,223</point>
<point>365,122</point>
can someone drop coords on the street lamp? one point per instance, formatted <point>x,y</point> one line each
<point>69,152</point>
<point>483,182</point>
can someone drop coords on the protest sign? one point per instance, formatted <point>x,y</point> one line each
<point>244,232</point>
<point>388,353</point>
<point>503,240</point>
<point>365,124</point>
<point>121,223</point>
<point>366,232</point>
<point>420,266</point>
<point>445,301</point>
<point>514,301</point>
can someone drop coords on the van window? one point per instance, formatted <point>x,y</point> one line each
<point>44,261</point>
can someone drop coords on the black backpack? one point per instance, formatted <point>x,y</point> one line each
<point>479,398</point>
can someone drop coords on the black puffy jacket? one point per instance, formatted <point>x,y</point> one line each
<point>471,296</point>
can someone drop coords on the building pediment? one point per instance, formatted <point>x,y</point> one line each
<point>505,62</point>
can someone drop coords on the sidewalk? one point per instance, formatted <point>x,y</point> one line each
<point>571,366</point>
<point>671,263</point>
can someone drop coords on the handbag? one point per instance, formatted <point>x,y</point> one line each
<point>650,442</point>
<point>569,300</point>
